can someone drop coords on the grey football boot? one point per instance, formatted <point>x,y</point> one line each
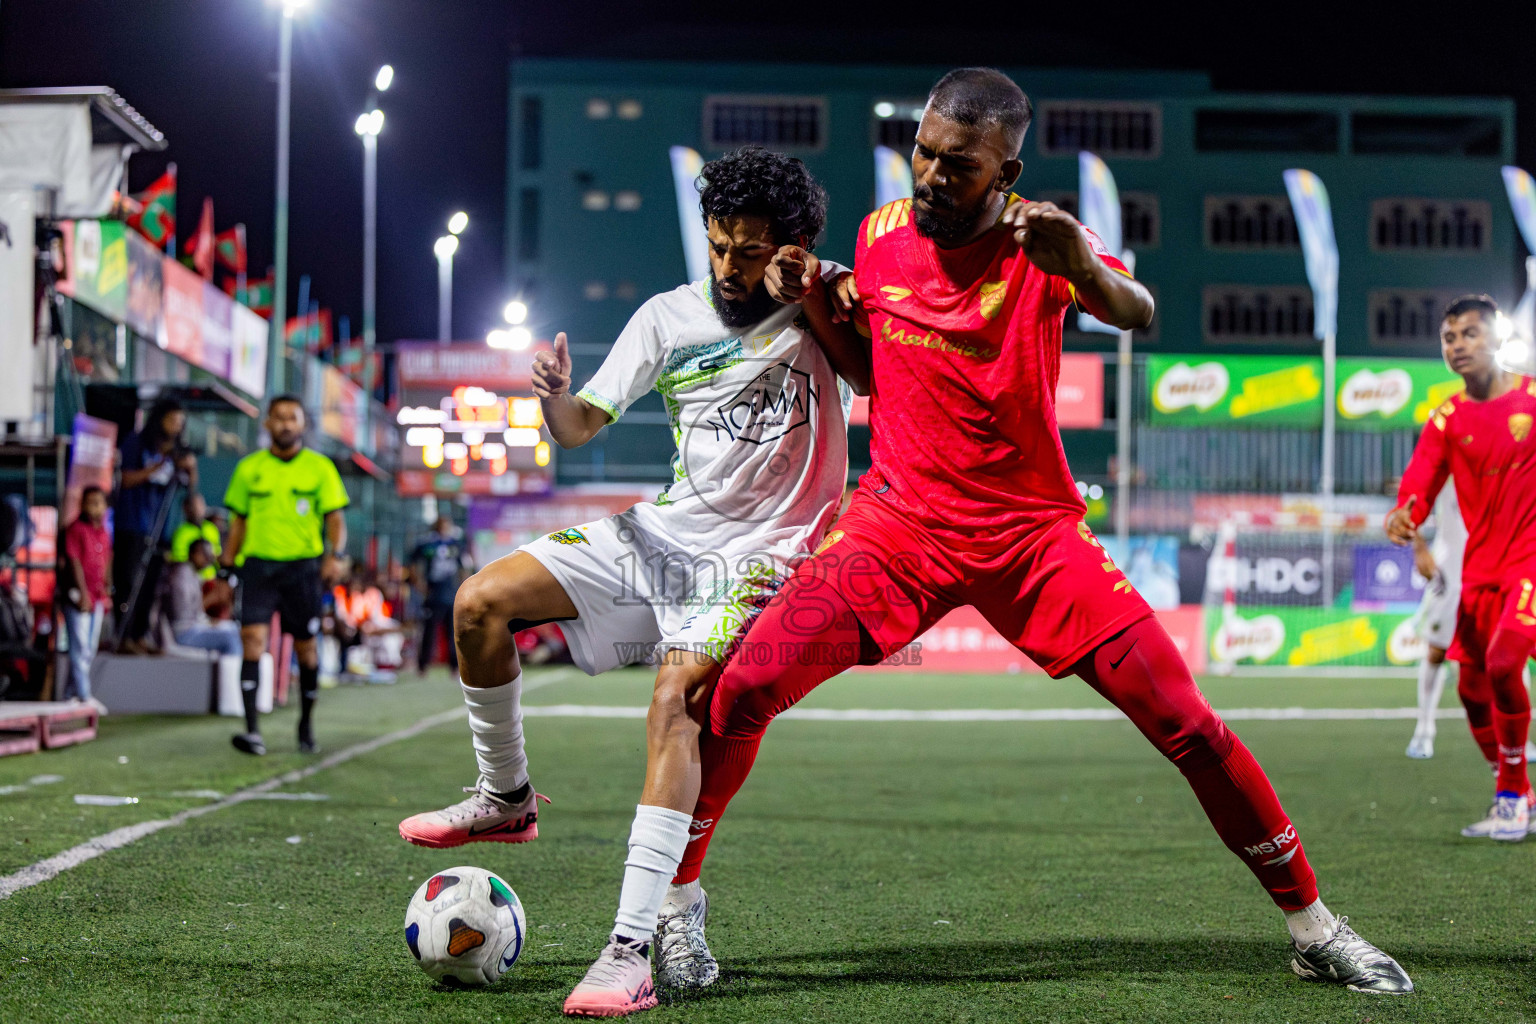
<point>1348,960</point>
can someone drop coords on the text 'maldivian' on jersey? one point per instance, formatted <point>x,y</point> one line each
<point>284,503</point>
<point>1488,450</point>
<point>966,347</point>
<point>758,416</point>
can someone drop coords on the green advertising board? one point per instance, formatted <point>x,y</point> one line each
<point>98,265</point>
<point>1236,391</point>
<point>1301,637</point>
<point>1383,394</point>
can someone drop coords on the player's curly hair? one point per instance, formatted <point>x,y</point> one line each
<point>753,182</point>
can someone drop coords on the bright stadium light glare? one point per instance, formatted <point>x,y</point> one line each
<point>1515,354</point>
<point>519,339</point>
<point>445,247</point>
<point>1503,326</point>
<point>371,123</point>
<point>515,312</point>
<point>1095,492</point>
<point>385,78</point>
<point>292,7</point>
<point>457,223</point>
<point>885,109</point>
<point>499,338</point>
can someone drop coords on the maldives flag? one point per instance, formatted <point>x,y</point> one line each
<point>229,248</point>
<point>156,217</point>
<point>258,294</point>
<point>200,245</point>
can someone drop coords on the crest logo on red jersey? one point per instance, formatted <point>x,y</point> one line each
<point>992,294</point>
<point>1520,426</point>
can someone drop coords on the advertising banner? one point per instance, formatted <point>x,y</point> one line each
<point>96,265</point>
<point>1301,637</point>
<point>1384,575</point>
<point>1235,391</point>
<point>686,165</point>
<point>1314,223</point>
<point>430,364</point>
<point>1098,207</point>
<point>145,284</point>
<point>248,365</point>
<point>1080,391</point>
<point>218,331</point>
<point>893,176</point>
<point>341,407</point>
<point>1376,394</point>
<point>93,449</point>
<point>181,332</point>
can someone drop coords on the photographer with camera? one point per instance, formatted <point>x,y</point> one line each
<point>154,461</point>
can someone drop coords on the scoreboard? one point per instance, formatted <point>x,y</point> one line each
<point>469,422</point>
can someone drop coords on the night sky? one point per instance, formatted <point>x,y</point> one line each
<point>202,72</point>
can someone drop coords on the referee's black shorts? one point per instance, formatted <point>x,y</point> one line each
<point>290,589</point>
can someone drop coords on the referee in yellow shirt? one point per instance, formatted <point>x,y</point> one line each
<point>287,530</point>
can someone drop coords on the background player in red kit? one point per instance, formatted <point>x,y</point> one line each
<point>1482,438</point>
<point>970,500</point>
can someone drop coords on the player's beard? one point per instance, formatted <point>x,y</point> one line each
<point>753,309</point>
<point>950,227</point>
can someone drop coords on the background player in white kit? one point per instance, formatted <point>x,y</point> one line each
<point>759,416</point>
<point>1439,562</point>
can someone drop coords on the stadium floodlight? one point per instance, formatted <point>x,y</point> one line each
<point>445,247</point>
<point>883,109</point>
<point>499,338</point>
<point>457,223</point>
<point>1503,327</point>
<point>292,7</point>
<point>385,78</point>
<point>515,312</point>
<point>369,124</point>
<point>520,339</point>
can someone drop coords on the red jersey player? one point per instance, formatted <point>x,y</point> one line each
<point>970,500</point>
<point>1482,439</point>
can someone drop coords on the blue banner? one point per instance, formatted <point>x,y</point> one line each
<point>686,166</point>
<point>893,176</point>
<point>1098,207</point>
<point>1314,222</point>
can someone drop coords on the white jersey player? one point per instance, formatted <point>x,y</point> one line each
<point>758,413</point>
<point>1439,562</point>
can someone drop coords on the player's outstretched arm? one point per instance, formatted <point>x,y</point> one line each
<point>1056,243</point>
<point>795,276</point>
<point>572,421</point>
<point>1422,480</point>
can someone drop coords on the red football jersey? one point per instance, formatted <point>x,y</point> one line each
<point>966,349</point>
<point>1487,448</point>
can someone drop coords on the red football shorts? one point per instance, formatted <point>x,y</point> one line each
<point>1510,606</point>
<point>1047,585</point>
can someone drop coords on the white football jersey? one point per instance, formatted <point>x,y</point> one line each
<point>758,416</point>
<point>1450,542</point>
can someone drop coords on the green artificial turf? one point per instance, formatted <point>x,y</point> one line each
<point>869,871</point>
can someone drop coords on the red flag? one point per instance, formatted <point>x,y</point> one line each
<point>200,245</point>
<point>229,248</point>
<point>156,217</point>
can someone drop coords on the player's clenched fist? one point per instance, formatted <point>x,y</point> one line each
<point>1400,528</point>
<point>552,370</point>
<point>1052,239</point>
<point>791,274</point>
<point>845,296</point>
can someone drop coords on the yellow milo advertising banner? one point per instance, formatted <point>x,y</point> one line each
<point>1302,637</point>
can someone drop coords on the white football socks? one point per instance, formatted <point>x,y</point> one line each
<point>496,720</point>
<point>1431,686</point>
<point>657,843</point>
<point>1312,924</point>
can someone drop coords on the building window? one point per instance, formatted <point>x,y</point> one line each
<point>1109,129</point>
<point>1408,317</point>
<point>627,201</point>
<point>895,124</point>
<point>599,109</point>
<point>531,147</point>
<point>1250,223</point>
<point>1427,134</point>
<point>1430,225</point>
<point>1266,131</point>
<point>528,224</point>
<point>778,122</point>
<point>1140,216</point>
<point>1244,313</point>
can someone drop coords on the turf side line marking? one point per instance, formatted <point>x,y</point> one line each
<point>1294,714</point>
<point>52,867</point>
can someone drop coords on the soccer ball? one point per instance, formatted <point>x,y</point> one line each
<point>465,925</point>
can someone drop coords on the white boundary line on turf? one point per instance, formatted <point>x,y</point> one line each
<point>52,867</point>
<point>1294,714</point>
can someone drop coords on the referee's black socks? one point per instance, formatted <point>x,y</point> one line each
<point>250,674</point>
<point>309,689</point>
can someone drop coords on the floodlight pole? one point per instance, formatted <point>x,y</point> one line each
<point>275,354</point>
<point>370,244</point>
<point>444,296</point>
<point>1123,381</point>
